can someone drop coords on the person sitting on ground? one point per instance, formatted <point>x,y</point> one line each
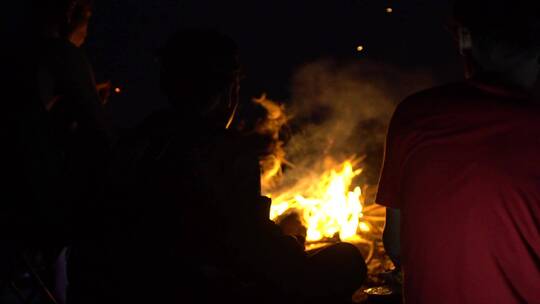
<point>196,212</point>
<point>460,176</point>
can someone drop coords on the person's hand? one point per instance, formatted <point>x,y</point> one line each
<point>104,91</point>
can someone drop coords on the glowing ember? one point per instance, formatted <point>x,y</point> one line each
<point>118,90</point>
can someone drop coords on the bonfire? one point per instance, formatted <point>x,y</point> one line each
<point>324,198</point>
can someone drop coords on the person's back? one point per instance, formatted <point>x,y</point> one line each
<point>196,212</point>
<point>461,168</point>
<point>189,206</point>
<point>469,195</point>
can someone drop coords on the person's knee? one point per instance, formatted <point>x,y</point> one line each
<point>345,249</point>
<point>338,270</point>
<point>348,260</point>
<point>343,256</point>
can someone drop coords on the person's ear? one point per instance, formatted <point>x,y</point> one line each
<point>464,40</point>
<point>233,102</point>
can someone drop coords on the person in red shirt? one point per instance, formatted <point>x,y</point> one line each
<point>461,175</point>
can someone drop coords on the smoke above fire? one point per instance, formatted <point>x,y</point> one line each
<point>343,109</point>
<point>325,148</point>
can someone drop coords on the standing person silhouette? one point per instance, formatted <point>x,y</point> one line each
<point>75,105</point>
<point>55,136</point>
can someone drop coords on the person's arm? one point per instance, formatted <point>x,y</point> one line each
<point>81,89</point>
<point>388,193</point>
<point>391,235</point>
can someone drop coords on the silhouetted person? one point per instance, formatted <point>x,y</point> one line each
<point>188,217</point>
<point>66,89</point>
<point>461,167</point>
<point>52,130</point>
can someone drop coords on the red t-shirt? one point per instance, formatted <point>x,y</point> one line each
<point>462,164</point>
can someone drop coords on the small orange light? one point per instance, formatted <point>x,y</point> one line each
<point>389,10</point>
<point>360,48</point>
<point>118,90</point>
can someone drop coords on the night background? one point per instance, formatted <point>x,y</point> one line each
<point>275,38</point>
<point>301,53</point>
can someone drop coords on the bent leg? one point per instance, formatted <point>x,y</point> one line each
<point>334,274</point>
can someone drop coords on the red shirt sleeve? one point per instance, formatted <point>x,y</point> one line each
<point>389,180</point>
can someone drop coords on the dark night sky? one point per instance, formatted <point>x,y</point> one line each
<point>274,36</point>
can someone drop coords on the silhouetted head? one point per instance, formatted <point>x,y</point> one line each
<point>63,18</point>
<point>501,38</point>
<point>200,74</point>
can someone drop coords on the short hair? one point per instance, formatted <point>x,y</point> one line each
<point>208,58</point>
<point>513,22</point>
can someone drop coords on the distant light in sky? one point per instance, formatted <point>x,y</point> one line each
<point>118,90</point>
<point>389,10</point>
<point>360,48</point>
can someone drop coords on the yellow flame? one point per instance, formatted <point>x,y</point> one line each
<point>327,207</point>
<point>323,197</point>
